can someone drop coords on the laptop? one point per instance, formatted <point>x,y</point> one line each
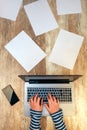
<point>60,86</point>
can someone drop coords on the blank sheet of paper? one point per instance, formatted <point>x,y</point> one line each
<point>68,6</point>
<point>66,49</point>
<point>9,8</point>
<point>25,51</point>
<point>41,17</point>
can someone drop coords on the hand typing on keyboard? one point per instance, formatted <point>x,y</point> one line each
<point>53,104</point>
<point>36,103</point>
<point>53,107</point>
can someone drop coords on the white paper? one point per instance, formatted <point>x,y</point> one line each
<point>66,49</point>
<point>68,6</point>
<point>25,51</point>
<point>9,9</point>
<point>41,17</point>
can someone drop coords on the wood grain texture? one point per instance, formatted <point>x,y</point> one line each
<point>12,118</point>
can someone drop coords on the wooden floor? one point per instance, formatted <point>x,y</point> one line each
<point>12,118</point>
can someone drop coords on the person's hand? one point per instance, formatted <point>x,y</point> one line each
<point>53,104</point>
<point>36,103</point>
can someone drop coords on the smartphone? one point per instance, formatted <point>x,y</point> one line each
<point>10,94</point>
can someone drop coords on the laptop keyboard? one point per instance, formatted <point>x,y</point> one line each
<point>63,94</point>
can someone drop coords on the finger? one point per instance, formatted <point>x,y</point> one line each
<point>38,100</point>
<point>50,102</point>
<point>31,99</point>
<point>48,99</point>
<point>31,102</point>
<point>50,96</point>
<point>36,97</point>
<point>54,99</point>
<point>41,101</point>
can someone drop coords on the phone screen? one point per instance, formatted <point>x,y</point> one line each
<point>10,95</point>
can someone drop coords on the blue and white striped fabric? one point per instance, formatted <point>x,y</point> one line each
<point>58,120</point>
<point>35,120</point>
<point>56,117</point>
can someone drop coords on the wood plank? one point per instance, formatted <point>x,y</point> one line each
<point>12,117</point>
